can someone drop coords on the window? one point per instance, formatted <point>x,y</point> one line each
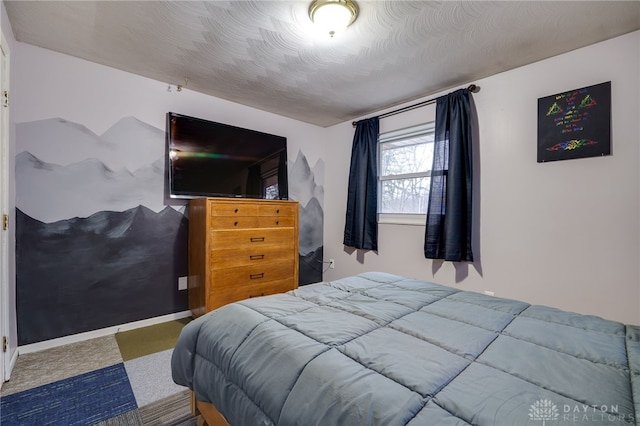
<point>404,174</point>
<point>270,188</point>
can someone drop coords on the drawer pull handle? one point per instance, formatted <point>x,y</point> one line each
<point>256,239</point>
<point>256,295</point>
<point>256,276</point>
<point>277,222</point>
<point>256,256</point>
<point>278,211</point>
<point>235,211</point>
<point>235,223</point>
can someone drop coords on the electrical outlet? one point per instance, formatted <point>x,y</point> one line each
<point>332,264</point>
<point>183,283</point>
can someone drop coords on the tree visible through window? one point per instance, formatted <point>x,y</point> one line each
<point>270,185</point>
<point>406,158</point>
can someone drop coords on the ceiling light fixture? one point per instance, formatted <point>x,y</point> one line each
<point>333,16</point>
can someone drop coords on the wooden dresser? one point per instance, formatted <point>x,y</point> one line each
<point>240,248</point>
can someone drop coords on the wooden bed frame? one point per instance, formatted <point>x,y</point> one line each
<point>206,413</point>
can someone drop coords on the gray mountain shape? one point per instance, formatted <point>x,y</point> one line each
<point>302,181</point>
<point>318,171</point>
<point>311,226</point>
<point>109,268</point>
<point>129,143</point>
<point>50,192</point>
<point>98,223</point>
<point>304,188</point>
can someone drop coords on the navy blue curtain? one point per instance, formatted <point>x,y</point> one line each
<point>361,225</point>
<point>448,228</point>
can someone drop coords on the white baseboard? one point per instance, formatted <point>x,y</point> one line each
<point>12,363</point>
<point>75,338</point>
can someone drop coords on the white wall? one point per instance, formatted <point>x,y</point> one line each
<point>564,234</point>
<point>51,84</point>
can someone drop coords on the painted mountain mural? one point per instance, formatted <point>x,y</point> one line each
<point>97,243</point>
<point>83,188</point>
<point>304,188</point>
<point>110,268</point>
<point>128,144</point>
<point>64,170</point>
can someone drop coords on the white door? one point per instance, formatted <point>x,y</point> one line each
<point>4,210</point>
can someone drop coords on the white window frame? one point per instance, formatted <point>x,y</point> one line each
<point>400,134</point>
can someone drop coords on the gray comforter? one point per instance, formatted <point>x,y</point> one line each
<point>380,349</point>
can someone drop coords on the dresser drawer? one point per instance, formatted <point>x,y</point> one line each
<point>253,238</point>
<point>234,222</point>
<point>233,208</point>
<point>222,297</point>
<point>248,222</point>
<point>232,257</point>
<point>275,221</point>
<point>276,209</point>
<point>257,274</point>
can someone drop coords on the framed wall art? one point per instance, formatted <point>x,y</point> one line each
<point>575,124</point>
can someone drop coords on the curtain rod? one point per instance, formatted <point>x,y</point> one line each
<point>472,88</point>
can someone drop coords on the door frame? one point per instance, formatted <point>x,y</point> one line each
<point>5,358</point>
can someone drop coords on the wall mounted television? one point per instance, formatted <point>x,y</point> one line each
<point>209,159</point>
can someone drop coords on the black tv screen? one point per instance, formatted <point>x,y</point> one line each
<point>209,159</point>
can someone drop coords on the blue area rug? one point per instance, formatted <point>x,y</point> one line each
<point>80,400</point>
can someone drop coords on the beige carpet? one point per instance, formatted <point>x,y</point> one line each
<point>48,366</point>
<point>148,340</point>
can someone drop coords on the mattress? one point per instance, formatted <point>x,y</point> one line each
<point>382,349</point>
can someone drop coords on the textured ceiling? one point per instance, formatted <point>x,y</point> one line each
<point>266,54</point>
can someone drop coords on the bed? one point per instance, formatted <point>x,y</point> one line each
<point>382,349</point>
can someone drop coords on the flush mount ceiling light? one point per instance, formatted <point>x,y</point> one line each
<point>333,15</point>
